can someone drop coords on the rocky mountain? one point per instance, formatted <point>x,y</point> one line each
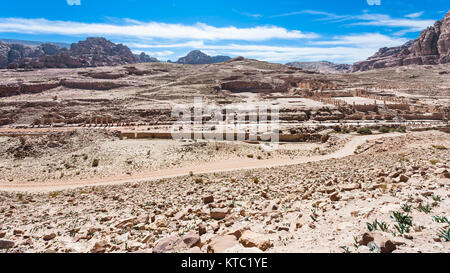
<point>322,67</point>
<point>89,53</point>
<point>144,58</point>
<point>198,57</point>
<point>33,43</point>
<point>432,47</point>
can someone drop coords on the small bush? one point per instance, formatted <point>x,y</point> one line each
<point>199,180</point>
<point>383,129</point>
<point>439,147</point>
<point>364,131</point>
<point>250,156</point>
<point>95,163</point>
<point>23,141</point>
<point>434,161</point>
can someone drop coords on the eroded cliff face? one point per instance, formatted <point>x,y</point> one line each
<point>432,47</point>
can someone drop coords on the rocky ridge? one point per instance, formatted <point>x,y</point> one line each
<point>198,57</point>
<point>322,67</point>
<point>91,52</point>
<point>432,47</point>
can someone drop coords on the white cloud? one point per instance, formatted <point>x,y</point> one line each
<point>73,2</point>
<point>150,30</point>
<point>285,54</point>
<point>414,15</point>
<point>366,19</point>
<point>374,2</point>
<point>248,14</point>
<point>164,53</point>
<point>326,15</point>
<point>347,49</point>
<point>385,20</point>
<point>191,44</point>
<point>364,40</point>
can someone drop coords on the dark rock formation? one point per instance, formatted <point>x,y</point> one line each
<point>432,47</point>
<point>322,67</point>
<point>4,51</point>
<point>89,53</point>
<point>144,58</point>
<point>198,57</point>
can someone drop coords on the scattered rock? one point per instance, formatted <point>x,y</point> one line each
<point>220,244</point>
<point>5,244</point>
<point>252,239</point>
<point>49,237</point>
<point>219,213</point>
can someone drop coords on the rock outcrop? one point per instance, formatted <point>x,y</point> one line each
<point>144,58</point>
<point>322,67</point>
<point>198,57</point>
<point>92,52</point>
<point>432,47</point>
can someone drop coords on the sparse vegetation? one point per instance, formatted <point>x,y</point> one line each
<point>95,163</point>
<point>439,147</point>
<point>364,131</point>
<point>440,219</point>
<point>406,207</point>
<point>384,129</point>
<point>199,180</point>
<point>383,226</point>
<point>426,208</point>
<point>404,222</point>
<point>444,233</point>
<point>434,161</point>
<point>314,215</point>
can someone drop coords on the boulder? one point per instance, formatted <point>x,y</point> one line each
<point>218,213</point>
<point>220,244</point>
<point>5,244</point>
<point>252,239</point>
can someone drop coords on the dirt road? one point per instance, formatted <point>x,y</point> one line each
<point>218,166</point>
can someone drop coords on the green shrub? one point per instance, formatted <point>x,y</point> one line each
<point>364,131</point>
<point>383,129</point>
<point>95,163</point>
<point>439,147</point>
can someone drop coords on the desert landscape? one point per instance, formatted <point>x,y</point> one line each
<point>89,162</point>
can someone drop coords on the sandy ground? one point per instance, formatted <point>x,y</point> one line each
<point>196,168</point>
<point>44,160</point>
<point>323,204</point>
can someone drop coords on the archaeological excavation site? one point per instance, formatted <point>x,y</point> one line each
<point>104,150</point>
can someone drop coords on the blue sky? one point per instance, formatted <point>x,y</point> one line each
<point>342,31</point>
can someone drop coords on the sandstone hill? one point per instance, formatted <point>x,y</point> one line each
<point>432,47</point>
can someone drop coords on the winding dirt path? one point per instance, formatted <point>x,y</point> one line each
<point>218,166</point>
